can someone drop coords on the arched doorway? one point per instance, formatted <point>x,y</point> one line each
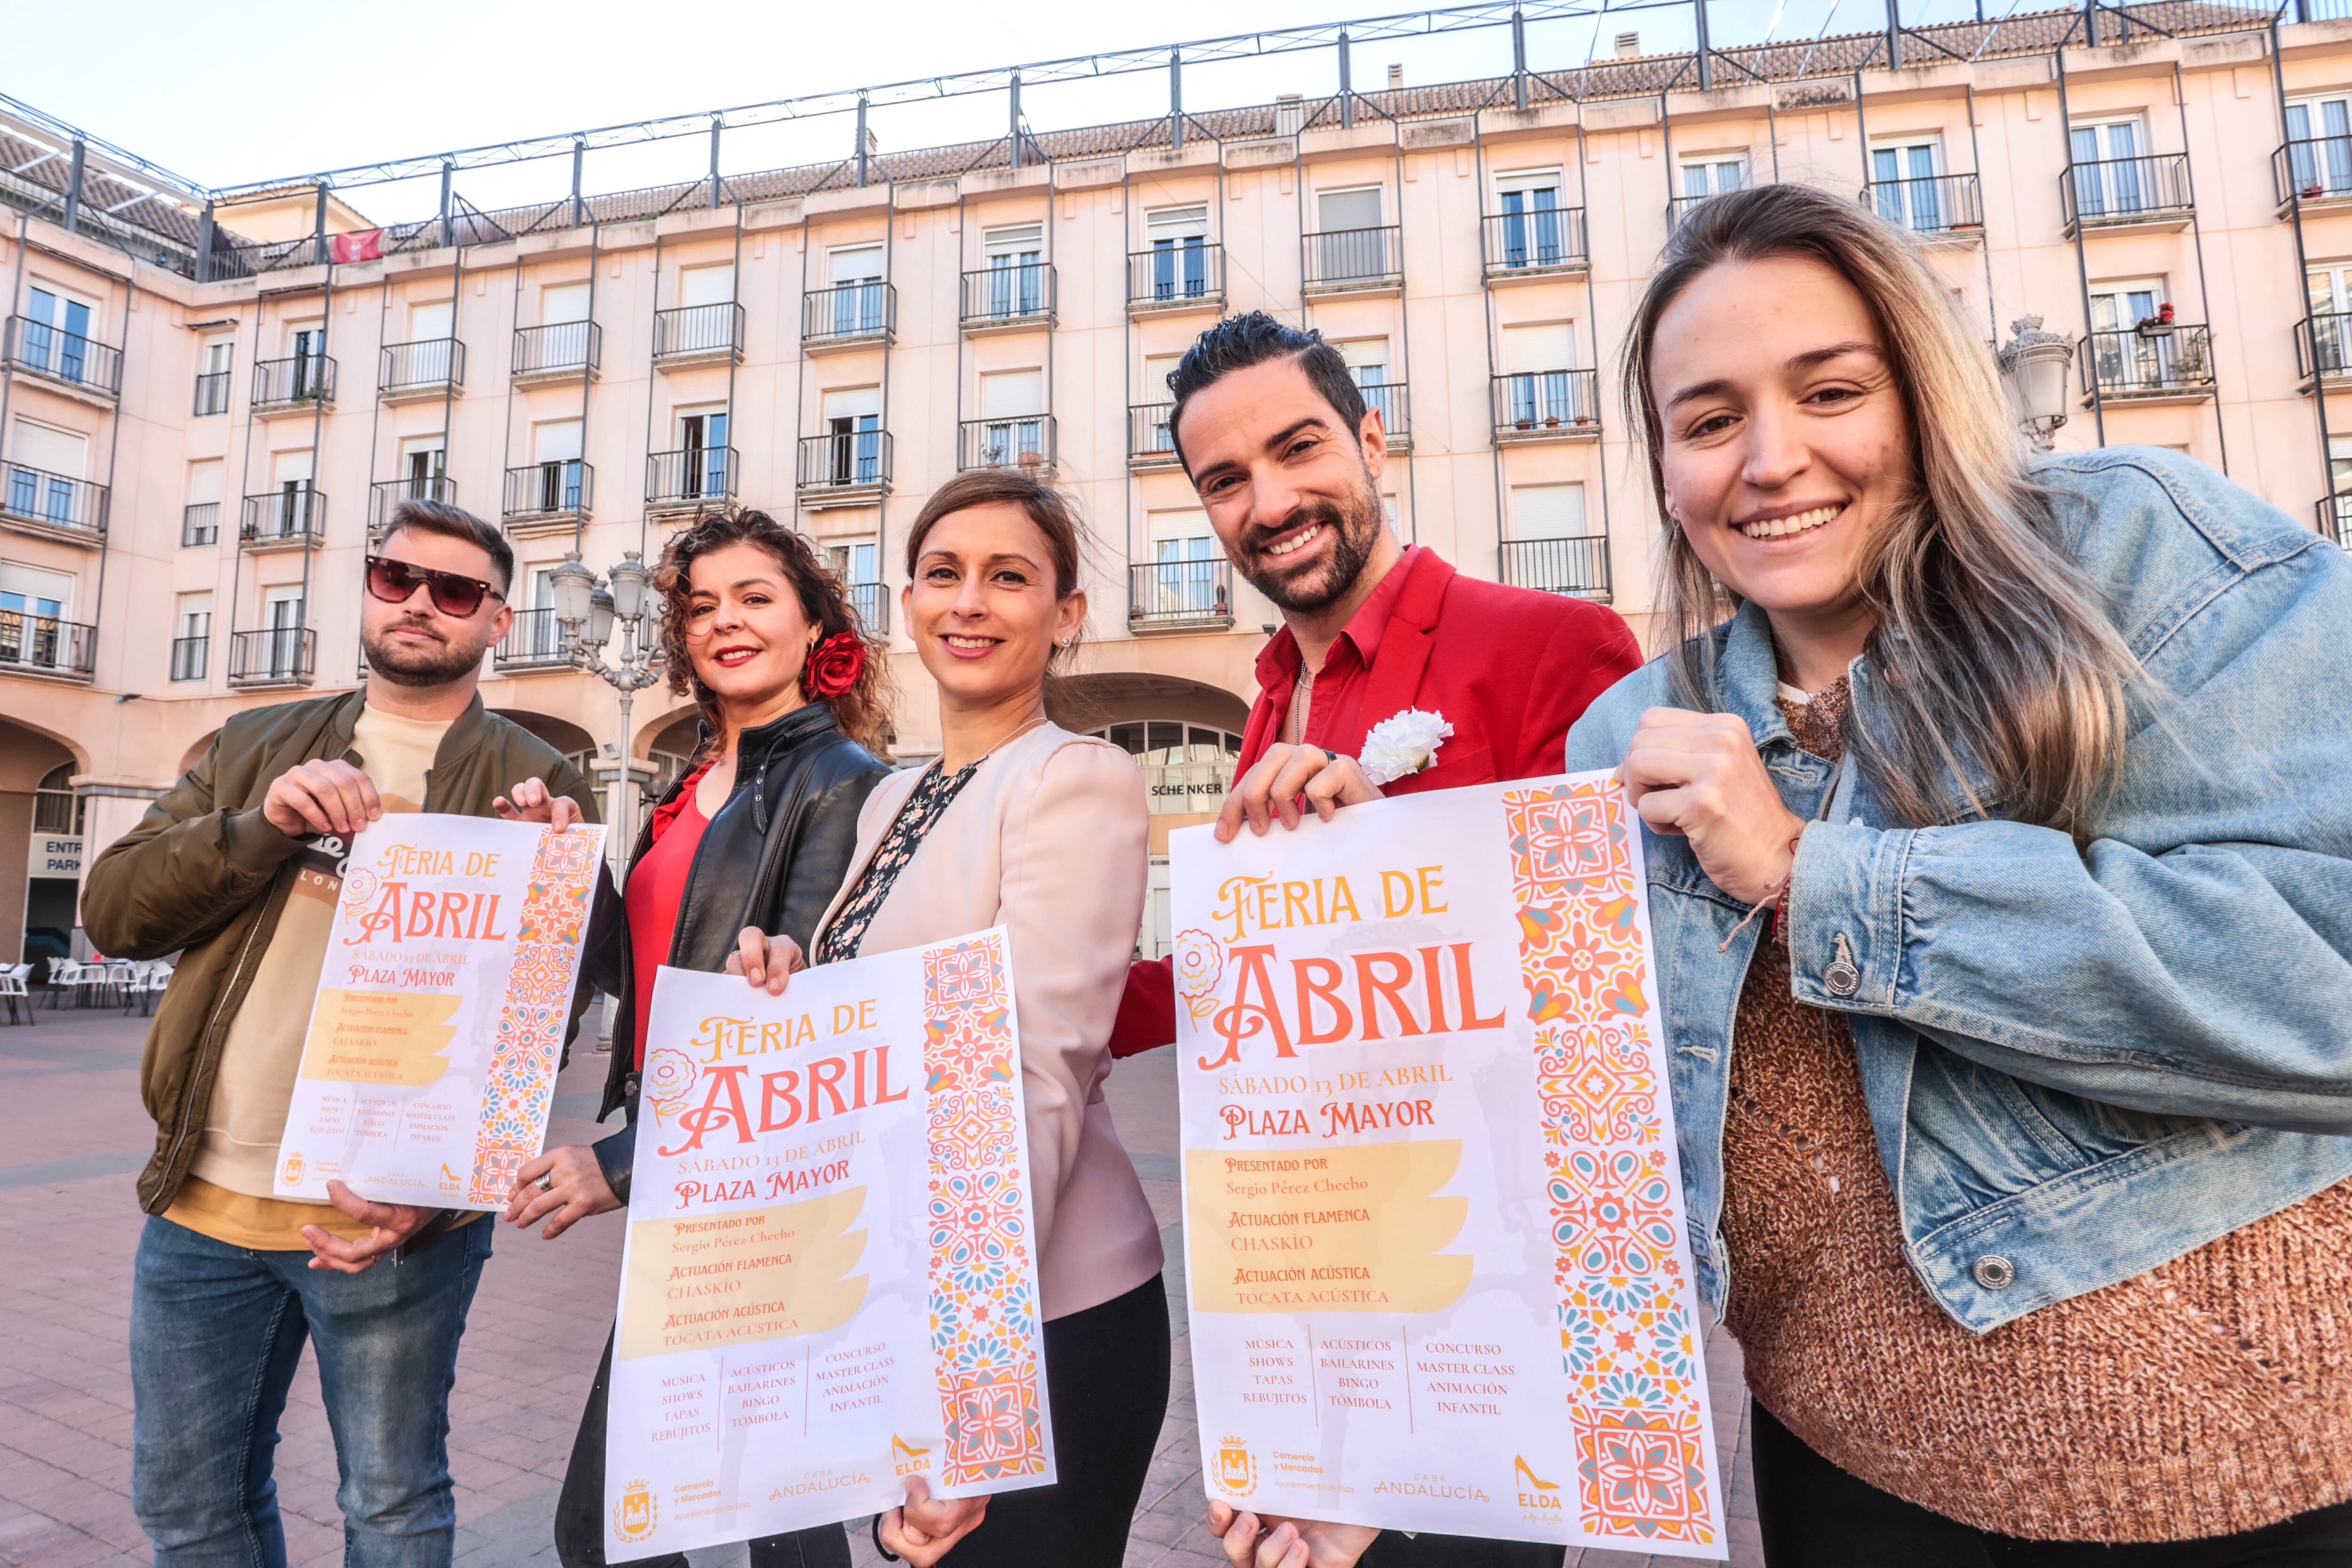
<point>40,845</point>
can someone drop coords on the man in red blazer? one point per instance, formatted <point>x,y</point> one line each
<point>1287,459</point>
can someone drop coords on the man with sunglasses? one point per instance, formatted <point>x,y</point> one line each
<point>237,868</point>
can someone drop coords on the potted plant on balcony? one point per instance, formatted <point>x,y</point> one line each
<point>2159,325</point>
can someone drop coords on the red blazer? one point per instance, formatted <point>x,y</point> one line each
<point>1516,668</point>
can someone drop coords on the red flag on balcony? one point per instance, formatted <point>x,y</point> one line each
<point>360,245</point>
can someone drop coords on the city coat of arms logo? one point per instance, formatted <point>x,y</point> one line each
<point>634,1516</point>
<point>1236,1470</point>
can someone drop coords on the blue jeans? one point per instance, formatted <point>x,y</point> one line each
<point>216,1335</point>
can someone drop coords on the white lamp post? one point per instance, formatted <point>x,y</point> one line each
<point>588,612</point>
<point>2034,365</point>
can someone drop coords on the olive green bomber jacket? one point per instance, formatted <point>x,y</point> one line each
<point>205,873</point>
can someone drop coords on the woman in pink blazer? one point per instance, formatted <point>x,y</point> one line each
<point>1022,824</point>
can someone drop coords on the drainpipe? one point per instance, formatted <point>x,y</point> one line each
<point>1518,59</point>
<point>1706,66</point>
<point>1176,99</point>
<point>73,187</point>
<point>204,246</point>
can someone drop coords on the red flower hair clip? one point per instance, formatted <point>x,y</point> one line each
<point>834,665</point>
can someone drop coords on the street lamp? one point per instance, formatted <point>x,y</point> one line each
<point>588,611</point>
<point>2034,365</point>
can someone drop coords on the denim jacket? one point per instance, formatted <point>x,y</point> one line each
<point>2080,1062</point>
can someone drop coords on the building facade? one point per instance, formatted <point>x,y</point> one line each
<point>207,406</point>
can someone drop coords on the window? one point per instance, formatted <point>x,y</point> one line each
<point>2111,174</point>
<point>561,302</point>
<point>1349,239</point>
<point>423,462</point>
<point>212,376</point>
<point>707,285</point>
<point>857,304</point>
<point>1539,390</point>
<point>1187,768</point>
<point>2129,356</point>
<point>1552,546</point>
<point>1012,434</point>
<point>1547,512</point>
<point>1903,183</point>
<point>34,607</point>
<point>853,560</point>
<point>854,264</point>
<point>429,321</point>
<point>1177,238</point>
<point>57,332</point>
<point>1528,201</point>
<point>288,511</point>
<point>1188,574</point>
<point>852,425</point>
<point>1715,174</point>
<point>1017,273</point>
<point>191,637</point>
<point>200,521</point>
<point>2330,293</point>
<point>1368,363</point>
<point>702,447</point>
<point>2319,145</point>
<point>536,637</point>
<point>44,473</point>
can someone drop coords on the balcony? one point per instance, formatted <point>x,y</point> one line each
<point>1396,417</point>
<point>385,494</point>
<point>2140,366</point>
<point>43,645</point>
<point>853,316</point>
<point>64,360</point>
<point>190,656</point>
<point>1353,261</point>
<point>535,642</point>
<point>1548,406</point>
<point>2315,173</point>
<point>52,505</point>
<point>1180,595</point>
<point>848,467</point>
<point>284,655</point>
<point>560,352</point>
<point>1681,207</point>
<point>872,603</point>
<point>2128,195</point>
<point>200,525</point>
<point>421,371</point>
<point>698,334</point>
<point>1175,278</point>
<point>1939,208</point>
<point>1022,444</point>
<point>2333,518</point>
<point>212,393</point>
<point>1522,247</point>
<point>1007,299</point>
<point>1150,438</point>
<point>548,498</point>
<point>2323,347</point>
<point>292,517</point>
<point>298,385</point>
<point>1578,567</point>
<point>691,479</point>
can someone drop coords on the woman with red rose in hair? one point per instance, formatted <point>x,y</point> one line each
<point>758,834</point>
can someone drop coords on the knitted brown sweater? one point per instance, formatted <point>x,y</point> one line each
<point>2209,1395</point>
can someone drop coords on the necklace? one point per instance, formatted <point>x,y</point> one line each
<point>998,746</point>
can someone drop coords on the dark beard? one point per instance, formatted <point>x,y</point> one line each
<point>404,666</point>
<point>1354,530</point>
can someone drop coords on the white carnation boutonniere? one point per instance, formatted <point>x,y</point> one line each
<point>1402,744</point>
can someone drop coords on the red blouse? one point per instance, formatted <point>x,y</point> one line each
<point>656,888</point>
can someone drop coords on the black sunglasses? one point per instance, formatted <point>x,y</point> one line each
<point>453,593</point>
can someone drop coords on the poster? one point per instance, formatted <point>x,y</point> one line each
<point>439,1027</point>
<point>829,1283</point>
<point>1438,1271</point>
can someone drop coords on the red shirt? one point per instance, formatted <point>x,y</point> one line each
<point>1517,668</point>
<point>656,888</point>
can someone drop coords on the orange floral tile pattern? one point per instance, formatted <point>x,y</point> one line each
<point>529,1041</point>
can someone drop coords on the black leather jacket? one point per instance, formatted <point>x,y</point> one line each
<point>773,857</point>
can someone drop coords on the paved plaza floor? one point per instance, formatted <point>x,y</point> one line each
<point>72,1138</point>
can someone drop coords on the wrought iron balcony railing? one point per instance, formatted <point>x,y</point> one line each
<point>305,379</point>
<point>282,656</point>
<point>561,489</point>
<point>1530,244</point>
<point>1577,567</point>
<point>2109,193</point>
<point>851,460</point>
<point>2323,344</point>
<point>45,645</point>
<point>1531,404</point>
<point>1150,438</point>
<point>1179,594</point>
<point>558,350</point>
<point>1012,295</point>
<point>1930,204</point>
<point>1396,410</point>
<point>430,365</point>
<point>1023,442</point>
<point>212,393</point>
<point>190,656</point>
<point>2136,364</point>
<point>385,494</point>
<point>872,603</point>
<point>42,350</point>
<point>2335,517</point>
<point>200,524</point>
<point>1176,276</point>
<point>699,332</point>
<point>2317,169</point>
<point>694,478</point>
<point>292,514</point>
<point>1681,207</point>
<point>1340,260</point>
<point>534,642</point>
<point>53,502</point>
<point>851,313</point>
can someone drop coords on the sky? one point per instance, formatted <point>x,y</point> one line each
<point>242,92</point>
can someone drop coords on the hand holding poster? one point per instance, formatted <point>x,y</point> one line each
<point>829,1283</point>
<point>1438,1273</point>
<point>434,1042</point>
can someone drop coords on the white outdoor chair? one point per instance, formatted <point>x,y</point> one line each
<point>13,989</point>
<point>64,980</point>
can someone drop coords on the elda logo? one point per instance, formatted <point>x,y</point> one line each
<point>1535,1493</point>
<point>1236,1471</point>
<point>634,1516</point>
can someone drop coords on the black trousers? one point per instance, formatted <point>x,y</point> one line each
<point>1394,1549</point>
<point>580,1508</point>
<point>1814,1515</point>
<point>1107,1383</point>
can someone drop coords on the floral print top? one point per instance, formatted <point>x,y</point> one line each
<point>931,797</point>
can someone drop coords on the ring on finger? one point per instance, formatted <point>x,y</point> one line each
<point>547,1181</point>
